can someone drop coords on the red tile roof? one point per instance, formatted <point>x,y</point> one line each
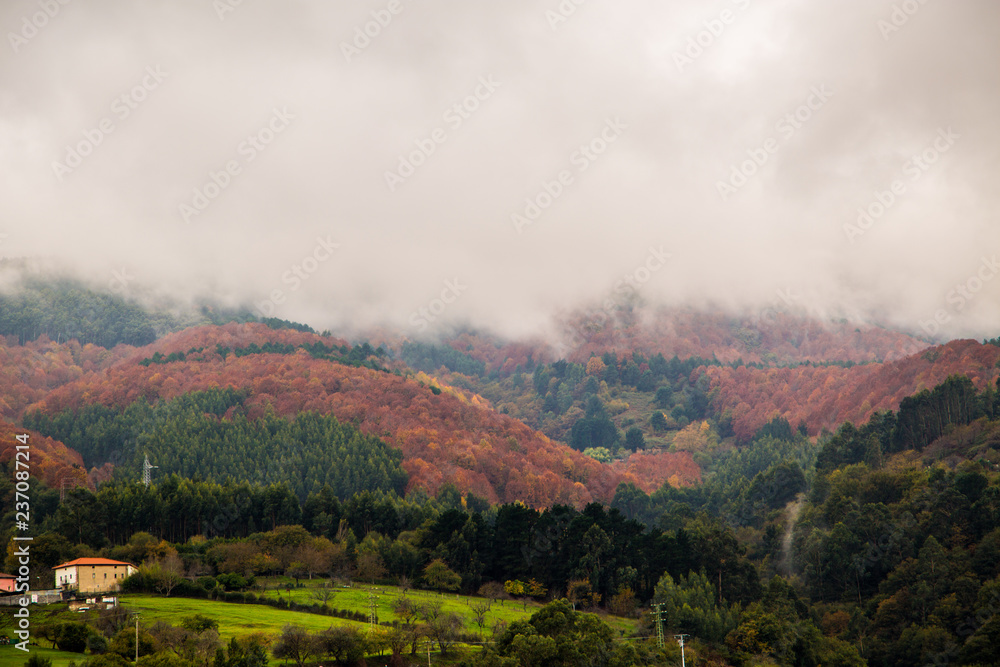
<point>7,576</point>
<point>91,561</point>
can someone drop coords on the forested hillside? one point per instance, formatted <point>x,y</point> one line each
<point>823,397</point>
<point>782,506</point>
<point>634,401</point>
<point>64,309</point>
<point>208,435</point>
<point>50,461</point>
<point>768,337</point>
<point>28,372</point>
<point>880,547</point>
<point>445,434</point>
<point>900,531</point>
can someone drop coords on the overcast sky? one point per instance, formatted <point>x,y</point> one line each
<point>348,158</point>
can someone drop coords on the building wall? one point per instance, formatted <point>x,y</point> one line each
<point>7,585</point>
<point>93,578</point>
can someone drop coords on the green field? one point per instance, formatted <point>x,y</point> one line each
<point>355,599</point>
<point>12,657</point>
<point>237,619</point>
<point>234,619</point>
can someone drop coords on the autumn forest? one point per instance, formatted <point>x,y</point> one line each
<point>789,491</point>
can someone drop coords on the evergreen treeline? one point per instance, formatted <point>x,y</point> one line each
<point>66,308</point>
<point>906,556</point>
<point>920,420</point>
<point>562,383</point>
<point>428,358</point>
<point>63,309</point>
<point>359,355</point>
<point>207,435</point>
<point>747,486</point>
<point>598,548</point>
<point>568,403</point>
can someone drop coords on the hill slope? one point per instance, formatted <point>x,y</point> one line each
<point>49,460</point>
<point>823,397</point>
<point>445,435</point>
<point>768,337</point>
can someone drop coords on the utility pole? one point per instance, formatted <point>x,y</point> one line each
<point>372,610</point>
<point>137,639</point>
<point>659,624</point>
<point>680,640</point>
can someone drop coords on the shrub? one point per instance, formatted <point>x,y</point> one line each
<point>97,644</point>
<point>72,636</point>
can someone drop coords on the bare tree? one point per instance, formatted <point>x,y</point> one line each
<point>493,590</point>
<point>167,573</point>
<point>397,639</point>
<point>296,643</point>
<point>204,646</point>
<point>445,629</point>
<point>314,559</point>
<point>168,637</point>
<point>323,594</point>
<point>343,644</point>
<point>408,612</point>
<point>110,620</point>
<point>370,566</point>
<point>479,610</point>
<point>430,612</point>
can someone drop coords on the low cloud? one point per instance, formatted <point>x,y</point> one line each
<point>756,142</point>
